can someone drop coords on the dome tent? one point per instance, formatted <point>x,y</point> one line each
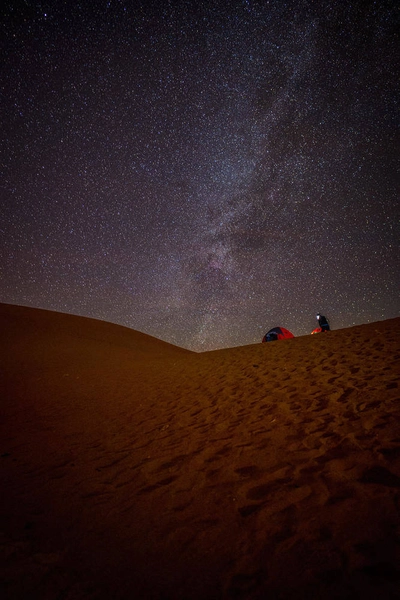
<point>277,333</point>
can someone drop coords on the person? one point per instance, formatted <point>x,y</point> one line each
<point>323,322</point>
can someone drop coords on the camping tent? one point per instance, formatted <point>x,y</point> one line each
<point>277,333</point>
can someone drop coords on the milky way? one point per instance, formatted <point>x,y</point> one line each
<point>201,171</point>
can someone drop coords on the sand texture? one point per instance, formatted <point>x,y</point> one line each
<point>132,469</point>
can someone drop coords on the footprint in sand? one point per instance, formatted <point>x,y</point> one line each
<point>390,453</point>
<point>252,472</point>
<point>392,386</point>
<point>175,462</point>
<point>338,452</point>
<point>243,584</point>
<point>381,476</point>
<point>150,488</point>
<point>250,509</point>
<point>340,395</point>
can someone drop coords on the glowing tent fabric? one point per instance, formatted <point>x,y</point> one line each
<point>277,333</point>
<point>317,330</point>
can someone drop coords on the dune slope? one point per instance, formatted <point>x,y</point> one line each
<point>134,469</point>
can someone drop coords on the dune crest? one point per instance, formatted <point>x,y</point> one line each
<point>18,322</point>
<point>132,468</point>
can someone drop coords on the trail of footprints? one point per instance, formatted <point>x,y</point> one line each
<point>267,412</point>
<point>314,435</point>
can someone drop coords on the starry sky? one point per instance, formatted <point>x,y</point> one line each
<point>201,171</point>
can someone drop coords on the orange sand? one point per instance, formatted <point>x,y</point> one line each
<point>132,469</point>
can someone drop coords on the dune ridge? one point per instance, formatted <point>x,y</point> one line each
<point>134,469</point>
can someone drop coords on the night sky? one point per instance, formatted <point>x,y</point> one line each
<point>201,171</point>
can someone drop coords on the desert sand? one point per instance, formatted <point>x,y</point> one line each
<point>132,469</point>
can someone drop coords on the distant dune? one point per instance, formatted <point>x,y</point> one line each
<point>133,469</point>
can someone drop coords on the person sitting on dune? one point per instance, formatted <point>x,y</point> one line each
<point>323,323</point>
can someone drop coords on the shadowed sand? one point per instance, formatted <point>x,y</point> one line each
<point>132,469</point>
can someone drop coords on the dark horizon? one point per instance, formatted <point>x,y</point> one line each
<point>128,330</point>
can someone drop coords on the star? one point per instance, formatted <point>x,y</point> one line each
<point>201,172</point>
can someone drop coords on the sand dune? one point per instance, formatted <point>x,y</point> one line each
<point>132,469</point>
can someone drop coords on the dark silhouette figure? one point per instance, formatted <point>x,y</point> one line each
<point>323,322</point>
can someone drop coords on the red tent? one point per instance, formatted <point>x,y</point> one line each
<point>277,333</point>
